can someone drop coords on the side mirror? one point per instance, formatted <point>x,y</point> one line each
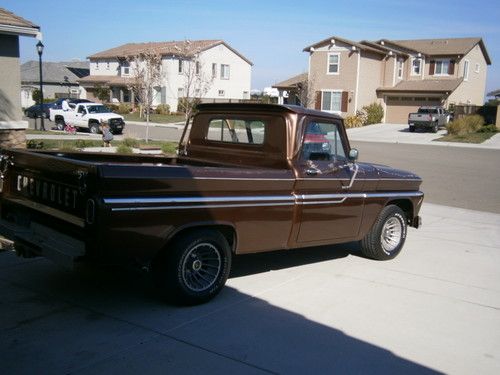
<point>353,154</point>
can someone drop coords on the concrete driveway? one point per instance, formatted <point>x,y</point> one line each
<point>398,133</point>
<point>435,308</point>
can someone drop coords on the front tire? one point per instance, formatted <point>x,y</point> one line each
<point>94,129</point>
<point>387,236</point>
<point>435,128</point>
<point>194,268</point>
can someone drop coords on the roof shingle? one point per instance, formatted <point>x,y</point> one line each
<point>11,19</point>
<point>424,85</point>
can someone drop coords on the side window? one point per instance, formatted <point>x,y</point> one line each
<point>322,141</point>
<point>234,130</point>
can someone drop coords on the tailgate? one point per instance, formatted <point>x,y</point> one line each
<point>44,201</point>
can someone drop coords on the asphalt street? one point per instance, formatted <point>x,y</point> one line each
<point>452,176</point>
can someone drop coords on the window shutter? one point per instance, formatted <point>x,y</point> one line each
<point>345,98</point>
<point>317,104</point>
<point>451,67</point>
<point>432,67</point>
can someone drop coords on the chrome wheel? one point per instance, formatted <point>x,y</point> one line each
<point>201,267</point>
<point>390,237</point>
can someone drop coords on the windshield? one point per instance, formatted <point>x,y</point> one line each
<point>98,109</point>
<point>427,110</point>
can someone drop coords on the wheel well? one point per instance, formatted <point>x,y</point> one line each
<point>59,117</point>
<point>227,231</point>
<point>406,206</point>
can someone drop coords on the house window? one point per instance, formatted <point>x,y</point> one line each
<point>222,93</point>
<point>466,70</point>
<point>125,68</point>
<point>224,71</point>
<point>180,69</point>
<point>180,92</point>
<point>214,70</point>
<point>107,65</point>
<point>416,67</point>
<point>442,67</point>
<point>477,68</point>
<point>331,101</point>
<point>400,68</point>
<point>333,63</point>
<point>97,65</point>
<point>197,67</point>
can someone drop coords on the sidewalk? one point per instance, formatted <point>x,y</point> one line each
<point>398,133</point>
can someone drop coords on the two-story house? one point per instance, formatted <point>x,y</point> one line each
<point>226,72</point>
<point>402,75</point>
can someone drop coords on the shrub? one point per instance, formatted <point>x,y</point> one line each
<point>35,144</point>
<point>488,129</point>
<point>162,109</point>
<point>131,142</point>
<point>465,125</point>
<point>374,113</point>
<point>123,109</point>
<point>112,107</point>
<point>353,121</point>
<point>124,149</point>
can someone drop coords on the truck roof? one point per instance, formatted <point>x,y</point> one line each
<point>253,107</point>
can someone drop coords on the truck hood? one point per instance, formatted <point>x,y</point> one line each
<point>386,172</point>
<point>104,116</point>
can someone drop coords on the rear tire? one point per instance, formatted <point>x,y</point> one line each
<point>60,124</point>
<point>387,236</point>
<point>194,267</point>
<point>411,129</point>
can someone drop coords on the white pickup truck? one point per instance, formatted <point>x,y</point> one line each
<point>87,116</point>
<point>429,117</point>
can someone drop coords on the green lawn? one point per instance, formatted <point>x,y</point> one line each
<point>162,119</point>
<point>468,138</point>
<point>78,144</point>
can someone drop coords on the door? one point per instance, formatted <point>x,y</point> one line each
<point>328,186</point>
<point>79,116</point>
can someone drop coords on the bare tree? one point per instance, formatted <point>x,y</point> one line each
<point>305,91</point>
<point>197,81</point>
<point>146,75</point>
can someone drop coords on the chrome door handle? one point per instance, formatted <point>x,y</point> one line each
<point>311,172</point>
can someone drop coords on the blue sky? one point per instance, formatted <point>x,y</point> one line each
<point>270,33</point>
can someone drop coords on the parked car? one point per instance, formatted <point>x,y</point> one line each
<point>58,103</point>
<point>36,111</point>
<point>429,117</point>
<point>241,183</point>
<point>87,116</point>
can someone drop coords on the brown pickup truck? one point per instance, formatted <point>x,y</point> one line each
<point>248,178</point>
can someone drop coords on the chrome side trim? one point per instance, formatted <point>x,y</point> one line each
<point>198,199</point>
<point>149,208</point>
<point>182,203</point>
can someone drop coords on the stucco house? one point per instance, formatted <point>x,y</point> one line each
<point>401,75</point>
<point>228,71</point>
<point>59,80</point>
<point>12,127</point>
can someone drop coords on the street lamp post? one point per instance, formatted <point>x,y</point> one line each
<point>39,48</point>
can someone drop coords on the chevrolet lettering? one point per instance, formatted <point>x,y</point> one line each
<point>248,178</point>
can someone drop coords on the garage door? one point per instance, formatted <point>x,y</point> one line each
<point>398,108</point>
